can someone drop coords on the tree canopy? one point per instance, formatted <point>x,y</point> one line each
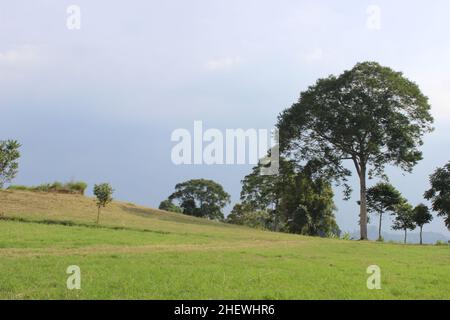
<point>9,165</point>
<point>404,219</point>
<point>201,198</point>
<point>244,214</point>
<point>296,201</point>
<point>383,197</point>
<point>421,217</point>
<point>103,192</point>
<point>439,193</point>
<point>369,115</point>
<point>168,205</point>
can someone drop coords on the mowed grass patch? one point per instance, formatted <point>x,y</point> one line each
<point>306,271</point>
<point>15,234</point>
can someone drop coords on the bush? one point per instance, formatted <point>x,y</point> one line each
<point>167,205</point>
<point>346,236</point>
<point>77,186</point>
<point>73,187</point>
<point>18,187</point>
<point>441,243</point>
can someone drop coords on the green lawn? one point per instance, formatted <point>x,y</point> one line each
<point>166,256</point>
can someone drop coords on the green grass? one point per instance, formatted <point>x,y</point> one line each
<point>140,253</point>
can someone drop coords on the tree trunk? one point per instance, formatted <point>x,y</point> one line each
<point>421,227</point>
<point>363,205</point>
<point>98,215</point>
<point>405,236</point>
<point>275,212</point>
<point>379,226</point>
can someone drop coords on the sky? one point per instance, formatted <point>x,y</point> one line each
<point>99,103</point>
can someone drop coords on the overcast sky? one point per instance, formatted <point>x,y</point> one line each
<point>100,103</point>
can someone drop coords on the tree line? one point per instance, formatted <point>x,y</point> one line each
<point>370,116</point>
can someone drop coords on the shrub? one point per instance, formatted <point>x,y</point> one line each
<point>167,205</point>
<point>18,187</point>
<point>346,236</point>
<point>79,186</point>
<point>73,187</point>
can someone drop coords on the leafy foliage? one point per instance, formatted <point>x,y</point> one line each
<point>370,115</point>
<point>103,192</point>
<point>245,215</point>
<point>439,193</point>
<point>296,202</point>
<point>201,198</point>
<point>9,165</point>
<point>381,198</point>
<point>167,205</point>
<point>404,219</point>
<point>422,216</point>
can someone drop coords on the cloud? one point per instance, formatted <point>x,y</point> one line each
<point>223,63</point>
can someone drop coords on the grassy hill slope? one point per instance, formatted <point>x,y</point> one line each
<point>143,253</point>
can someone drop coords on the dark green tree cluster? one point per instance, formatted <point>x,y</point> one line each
<point>292,201</point>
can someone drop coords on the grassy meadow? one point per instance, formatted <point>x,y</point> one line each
<point>141,253</point>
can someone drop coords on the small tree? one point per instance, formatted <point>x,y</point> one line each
<point>439,194</point>
<point>103,192</point>
<point>422,216</point>
<point>404,219</point>
<point>9,166</point>
<point>381,198</point>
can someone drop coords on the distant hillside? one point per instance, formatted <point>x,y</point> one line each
<point>413,237</point>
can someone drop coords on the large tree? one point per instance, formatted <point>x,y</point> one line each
<point>201,198</point>
<point>9,166</point>
<point>264,192</point>
<point>439,193</point>
<point>382,198</point>
<point>370,115</point>
<point>422,216</point>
